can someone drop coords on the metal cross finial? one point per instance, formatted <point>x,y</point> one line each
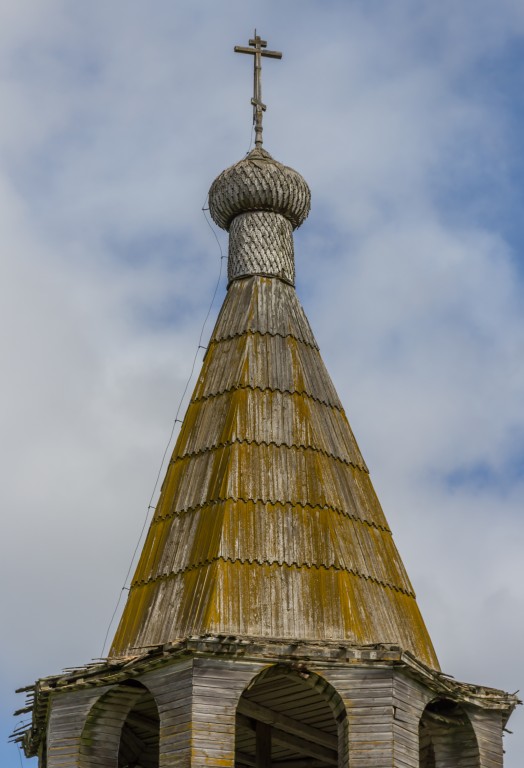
<point>257,50</point>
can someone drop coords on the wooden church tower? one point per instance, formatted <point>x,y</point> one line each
<point>270,622</point>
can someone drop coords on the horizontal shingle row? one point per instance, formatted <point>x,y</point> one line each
<point>286,534</point>
<point>268,523</point>
<point>264,417</point>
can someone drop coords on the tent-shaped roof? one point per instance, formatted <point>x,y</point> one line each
<point>268,524</point>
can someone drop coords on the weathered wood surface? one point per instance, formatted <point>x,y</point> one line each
<point>409,700</point>
<point>217,687</point>
<point>100,739</point>
<point>368,698</point>
<point>267,522</point>
<point>488,729</point>
<point>377,705</point>
<point>69,712</point>
<point>287,724</point>
<point>172,688</point>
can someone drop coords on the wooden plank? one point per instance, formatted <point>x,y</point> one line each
<point>305,747</point>
<point>287,724</point>
<point>296,743</point>
<point>243,759</point>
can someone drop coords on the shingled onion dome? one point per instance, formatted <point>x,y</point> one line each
<point>260,202</point>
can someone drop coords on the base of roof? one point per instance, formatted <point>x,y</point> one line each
<point>297,654</point>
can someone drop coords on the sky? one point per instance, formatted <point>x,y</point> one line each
<point>406,119</point>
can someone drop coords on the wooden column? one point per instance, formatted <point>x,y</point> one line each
<point>69,712</point>
<point>218,684</point>
<point>172,689</point>
<point>488,730</point>
<point>368,697</point>
<point>263,745</point>
<point>409,701</point>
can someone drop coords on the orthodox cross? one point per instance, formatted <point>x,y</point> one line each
<point>257,50</point>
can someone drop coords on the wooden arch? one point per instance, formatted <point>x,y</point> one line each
<point>446,737</point>
<point>290,718</point>
<point>122,729</point>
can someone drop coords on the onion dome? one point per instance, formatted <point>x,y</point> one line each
<point>260,202</point>
<point>259,183</point>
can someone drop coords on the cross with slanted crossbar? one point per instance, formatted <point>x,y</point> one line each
<point>257,50</point>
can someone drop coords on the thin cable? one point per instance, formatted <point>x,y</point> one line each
<point>175,421</point>
<point>251,139</point>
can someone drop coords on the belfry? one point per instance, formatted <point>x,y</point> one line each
<point>270,622</point>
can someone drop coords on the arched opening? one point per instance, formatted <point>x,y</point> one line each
<point>446,737</point>
<point>139,738</point>
<point>122,730</point>
<point>289,719</point>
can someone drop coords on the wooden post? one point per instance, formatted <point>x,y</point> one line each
<point>263,750</point>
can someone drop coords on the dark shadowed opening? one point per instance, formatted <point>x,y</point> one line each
<point>446,737</point>
<point>122,730</point>
<point>289,719</point>
<point>139,739</point>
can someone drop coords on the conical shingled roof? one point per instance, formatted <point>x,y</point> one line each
<point>268,524</point>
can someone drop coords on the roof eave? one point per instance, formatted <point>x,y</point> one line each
<point>117,669</point>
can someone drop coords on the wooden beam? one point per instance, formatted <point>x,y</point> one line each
<point>305,747</point>
<point>150,724</point>
<point>243,759</point>
<point>297,743</point>
<point>286,723</point>
<point>451,720</point>
<point>304,762</point>
<point>132,743</point>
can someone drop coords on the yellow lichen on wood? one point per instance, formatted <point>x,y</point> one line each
<point>267,523</point>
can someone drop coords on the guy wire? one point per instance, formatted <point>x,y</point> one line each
<point>176,420</point>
